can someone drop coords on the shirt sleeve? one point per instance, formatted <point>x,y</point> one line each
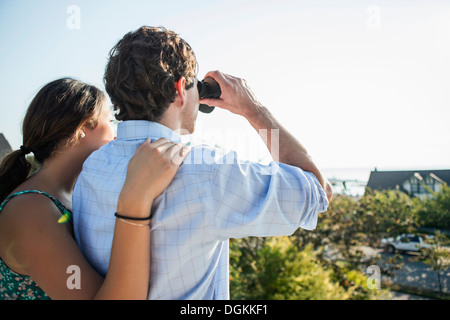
<point>252,199</point>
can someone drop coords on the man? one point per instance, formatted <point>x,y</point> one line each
<point>151,80</point>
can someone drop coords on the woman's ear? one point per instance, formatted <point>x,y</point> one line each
<point>181,91</point>
<point>81,132</point>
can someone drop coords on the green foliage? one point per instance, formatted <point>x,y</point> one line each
<point>437,256</point>
<point>280,272</point>
<point>386,213</point>
<point>326,263</point>
<point>275,269</point>
<point>434,211</point>
<point>354,281</point>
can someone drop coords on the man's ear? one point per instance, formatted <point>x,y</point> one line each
<point>181,91</point>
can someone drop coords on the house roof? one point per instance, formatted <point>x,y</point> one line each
<point>382,180</point>
<point>5,147</point>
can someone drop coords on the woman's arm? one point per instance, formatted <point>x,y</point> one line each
<point>33,243</point>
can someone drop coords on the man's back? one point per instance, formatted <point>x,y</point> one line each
<point>213,197</point>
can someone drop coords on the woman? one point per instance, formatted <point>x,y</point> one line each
<point>39,258</point>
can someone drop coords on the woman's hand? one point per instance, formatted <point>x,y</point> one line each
<point>150,171</point>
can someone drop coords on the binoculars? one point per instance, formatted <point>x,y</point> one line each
<point>208,88</point>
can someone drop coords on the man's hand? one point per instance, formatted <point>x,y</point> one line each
<point>236,96</point>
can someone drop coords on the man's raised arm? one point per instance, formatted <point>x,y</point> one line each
<point>239,99</point>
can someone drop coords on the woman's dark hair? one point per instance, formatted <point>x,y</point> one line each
<point>142,70</point>
<point>57,111</point>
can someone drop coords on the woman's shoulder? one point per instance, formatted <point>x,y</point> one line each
<point>24,221</point>
<point>24,207</point>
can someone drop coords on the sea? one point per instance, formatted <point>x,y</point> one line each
<point>359,174</point>
<point>348,181</point>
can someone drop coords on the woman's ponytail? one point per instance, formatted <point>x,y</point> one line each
<point>14,170</point>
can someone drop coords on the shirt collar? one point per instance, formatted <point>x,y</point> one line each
<point>142,129</point>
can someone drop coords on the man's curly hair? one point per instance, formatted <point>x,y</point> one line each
<point>142,70</point>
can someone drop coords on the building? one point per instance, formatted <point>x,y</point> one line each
<point>416,183</point>
<point>5,147</point>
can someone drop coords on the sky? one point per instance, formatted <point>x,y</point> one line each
<point>361,84</point>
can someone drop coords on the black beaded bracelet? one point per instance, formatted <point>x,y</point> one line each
<point>131,218</point>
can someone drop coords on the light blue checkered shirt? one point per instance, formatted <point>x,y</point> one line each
<point>213,197</point>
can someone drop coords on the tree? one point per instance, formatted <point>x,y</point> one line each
<point>437,256</point>
<point>386,213</point>
<point>277,270</point>
<point>434,211</point>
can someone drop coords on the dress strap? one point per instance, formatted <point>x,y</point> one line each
<point>66,213</point>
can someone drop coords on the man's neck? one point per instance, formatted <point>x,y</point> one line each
<point>171,120</point>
